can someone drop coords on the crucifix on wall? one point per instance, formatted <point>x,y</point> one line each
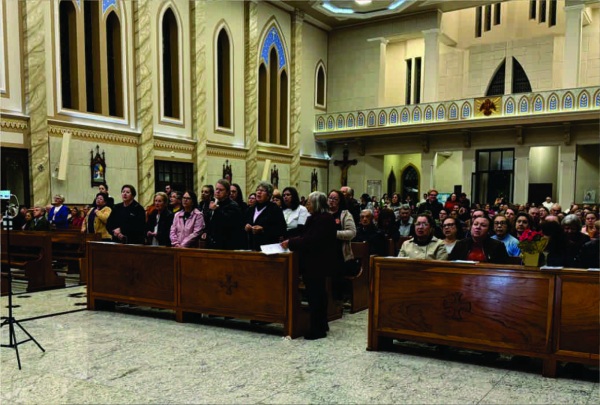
<point>344,166</point>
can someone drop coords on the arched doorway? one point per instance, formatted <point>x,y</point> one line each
<point>391,183</point>
<point>410,183</point>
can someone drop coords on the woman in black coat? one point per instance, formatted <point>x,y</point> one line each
<point>318,249</point>
<point>127,220</point>
<point>265,223</point>
<point>479,246</point>
<point>159,222</point>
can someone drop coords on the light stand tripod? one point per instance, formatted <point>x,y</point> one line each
<point>10,319</point>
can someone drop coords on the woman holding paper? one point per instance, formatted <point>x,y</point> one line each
<point>265,223</point>
<point>318,249</point>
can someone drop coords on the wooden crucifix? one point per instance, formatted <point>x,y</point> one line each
<point>345,165</point>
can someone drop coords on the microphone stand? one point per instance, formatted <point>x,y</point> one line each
<point>10,319</point>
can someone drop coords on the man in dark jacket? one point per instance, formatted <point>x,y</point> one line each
<point>224,221</point>
<point>479,246</point>
<point>368,232</point>
<point>431,204</point>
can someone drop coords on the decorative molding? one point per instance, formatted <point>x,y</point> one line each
<point>7,123</point>
<point>91,135</point>
<point>225,151</point>
<point>275,157</point>
<point>311,161</point>
<point>174,146</point>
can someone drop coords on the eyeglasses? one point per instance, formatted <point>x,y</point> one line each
<point>500,223</point>
<point>448,225</point>
<point>333,198</point>
<point>421,224</point>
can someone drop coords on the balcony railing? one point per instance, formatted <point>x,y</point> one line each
<point>481,108</point>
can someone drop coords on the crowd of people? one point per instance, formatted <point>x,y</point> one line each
<point>322,227</point>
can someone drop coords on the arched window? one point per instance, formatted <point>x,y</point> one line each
<point>410,183</point>
<point>91,48</point>
<point>520,81</point>
<point>68,55</point>
<point>320,87</point>
<point>170,66</point>
<point>114,65</point>
<point>273,91</point>
<point>496,86</point>
<point>223,80</point>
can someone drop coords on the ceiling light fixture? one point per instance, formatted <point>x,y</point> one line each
<point>363,2</point>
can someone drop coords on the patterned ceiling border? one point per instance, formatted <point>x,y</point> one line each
<point>174,146</point>
<point>94,135</point>
<point>311,161</point>
<point>226,151</point>
<point>9,123</point>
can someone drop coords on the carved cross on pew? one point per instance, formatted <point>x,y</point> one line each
<point>345,165</point>
<point>228,284</point>
<point>453,306</point>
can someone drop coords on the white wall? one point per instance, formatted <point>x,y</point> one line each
<point>588,171</point>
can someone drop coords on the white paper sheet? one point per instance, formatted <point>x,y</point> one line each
<point>273,249</point>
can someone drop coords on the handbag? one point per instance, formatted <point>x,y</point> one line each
<point>351,267</point>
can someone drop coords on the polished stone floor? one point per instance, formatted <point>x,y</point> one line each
<point>143,356</point>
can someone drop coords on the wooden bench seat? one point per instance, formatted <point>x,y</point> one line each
<point>238,284</point>
<point>551,315</point>
<point>30,259</point>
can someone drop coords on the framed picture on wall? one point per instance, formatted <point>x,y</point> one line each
<point>589,197</point>
<point>97,167</point>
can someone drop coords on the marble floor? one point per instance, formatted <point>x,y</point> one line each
<point>145,357</point>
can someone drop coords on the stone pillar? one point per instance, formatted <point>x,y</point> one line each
<point>572,55</point>
<point>251,93</point>
<point>35,15</point>
<point>427,172</point>
<point>143,74</point>
<point>431,65</point>
<point>199,40</point>
<point>381,52</point>
<point>567,161</point>
<point>295,96</point>
<point>521,173</point>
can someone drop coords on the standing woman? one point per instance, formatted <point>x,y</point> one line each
<point>188,223</point>
<point>159,223</point>
<point>295,214</point>
<point>265,223</point>
<point>237,196</point>
<point>317,247</point>
<point>97,217</point>
<point>345,226</point>
<point>76,219</point>
<point>127,221</point>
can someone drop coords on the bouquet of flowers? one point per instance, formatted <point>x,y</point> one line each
<point>532,242</point>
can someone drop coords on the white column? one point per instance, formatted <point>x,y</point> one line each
<point>521,174</point>
<point>431,65</point>
<point>427,171</point>
<point>572,54</point>
<point>567,160</point>
<point>468,168</point>
<point>382,43</point>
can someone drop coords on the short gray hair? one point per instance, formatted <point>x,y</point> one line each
<point>318,202</point>
<point>572,221</point>
<point>267,186</point>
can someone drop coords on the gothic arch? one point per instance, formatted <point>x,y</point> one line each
<point>409,181</point>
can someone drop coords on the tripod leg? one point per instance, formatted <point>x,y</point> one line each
<point>30,337</point>
<point>13,340</point>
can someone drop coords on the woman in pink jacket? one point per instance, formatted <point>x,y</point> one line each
<point>188,223</point>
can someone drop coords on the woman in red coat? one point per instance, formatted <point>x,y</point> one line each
<point>318,249</point>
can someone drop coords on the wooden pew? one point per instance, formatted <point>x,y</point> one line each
<point>70,246</point>
<point>31,256</point>
<point>499,308</point>
<point>238,284</point>
<point>359,284</point>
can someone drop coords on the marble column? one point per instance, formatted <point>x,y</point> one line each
<point>251,94</point>
<point>381,63</point>
<point>143,72</point>
<point>36,14</point>
<point>571,61</point>
<point>521,173</point>
<point>296,98</point>
<point>567,178</point>
<point>199,91</point>
<point>431,65</point>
